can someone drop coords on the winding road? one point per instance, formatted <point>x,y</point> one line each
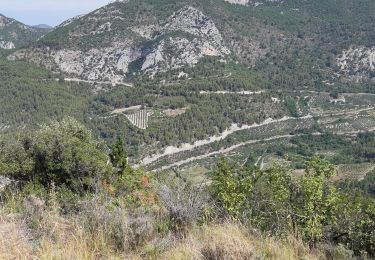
<point>170,150</point>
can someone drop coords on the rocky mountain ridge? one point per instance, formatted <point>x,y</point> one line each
<point>119,46</point>
<point>127,39</point>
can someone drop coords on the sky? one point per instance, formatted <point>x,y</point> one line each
<point>51,12</point>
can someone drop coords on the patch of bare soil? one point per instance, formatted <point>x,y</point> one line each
<point>175,112</point>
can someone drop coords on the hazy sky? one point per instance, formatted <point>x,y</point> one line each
<point>51,12</point>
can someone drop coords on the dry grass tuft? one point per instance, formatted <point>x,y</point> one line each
<point>231,242</point>
<point>288,249</point>
<point>98,233</point>
<point>214,242</point>
<point>14,239</point>
<point>226,242</point>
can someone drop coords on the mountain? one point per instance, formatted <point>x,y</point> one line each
<point>128,38</point>
<point>14,34</point>
<point>42,26</point>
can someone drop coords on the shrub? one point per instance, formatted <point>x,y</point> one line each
<point>64,153</point>
<point>309,207</point>
<point>184,202</point>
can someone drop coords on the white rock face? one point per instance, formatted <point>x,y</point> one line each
<point>176,52</point>
<point>109,64</point>
<point>238,2</point>
<point>104,64</point>
<point>186,53</point>
<point>250,2</point>
<point>69,61</point>
<point>7,45</point>
<point>193,21</point>
<point>357,63</point>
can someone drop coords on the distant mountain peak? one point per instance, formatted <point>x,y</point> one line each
<point>42,26</point>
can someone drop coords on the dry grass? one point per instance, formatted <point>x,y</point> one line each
<point>66,241</point>
<point>288,249</point>
<point>95,233</point>
<point>174,112</point>
<point>14,240</point>
<point>230,242</point>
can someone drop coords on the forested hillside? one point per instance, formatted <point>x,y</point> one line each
<point>30,95</point>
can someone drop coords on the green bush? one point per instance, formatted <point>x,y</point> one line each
<point>63,153</point>
<point>310,207</point>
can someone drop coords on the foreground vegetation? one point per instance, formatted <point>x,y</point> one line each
<point>72,199</point>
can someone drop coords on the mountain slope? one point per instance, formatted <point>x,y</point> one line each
<point>14,34</point>
<point>142,36</point>
<point>128,38</point>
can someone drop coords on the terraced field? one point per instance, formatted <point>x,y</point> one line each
<point>139,119</point>
<point>354,171</point>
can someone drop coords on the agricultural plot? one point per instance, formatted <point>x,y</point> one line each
<point>317,112</point>
<point>140,118</point>
<point>364,123</point>
<point>322,104</point>
<point>126,109</point>
<point>340,127</point>
<point>354,171</point>
<point>350,121</point>
<point>360,99</point>
<point>174,112</point>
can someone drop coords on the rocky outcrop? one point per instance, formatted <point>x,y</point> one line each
<point>5,21</point>
<point>357,63</point>
<point>102,64</point>
<point>4,181</point>
<point>203,39</point>
<point>238,2</point>
<point>7,45</point>
<point>251,2</point>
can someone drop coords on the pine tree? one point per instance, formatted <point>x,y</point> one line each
<point>118,155</point>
